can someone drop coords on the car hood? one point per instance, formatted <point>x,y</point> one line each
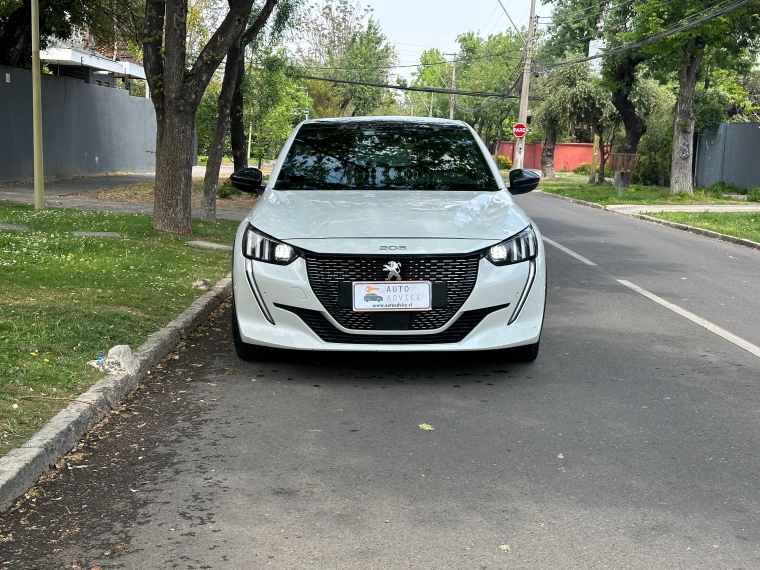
<point>324,214</point>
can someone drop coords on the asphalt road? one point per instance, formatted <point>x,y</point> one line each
<point>632,442</point>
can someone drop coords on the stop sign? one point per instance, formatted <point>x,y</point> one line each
<point>519,130</point>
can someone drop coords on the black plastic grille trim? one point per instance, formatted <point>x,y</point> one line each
<point>326,273</point>
<point>457,332</point>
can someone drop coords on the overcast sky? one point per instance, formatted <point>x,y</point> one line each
<point>416,25</point>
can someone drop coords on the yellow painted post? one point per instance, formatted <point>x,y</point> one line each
<point>39,170</point>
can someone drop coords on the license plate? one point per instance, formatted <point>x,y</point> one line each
<point>391,295</point>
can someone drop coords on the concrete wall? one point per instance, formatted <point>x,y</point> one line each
<point>729,152</point>
<point>86,129</point>
<point>566,155</point>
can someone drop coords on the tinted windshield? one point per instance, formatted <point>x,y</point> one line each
<point>385,156</point>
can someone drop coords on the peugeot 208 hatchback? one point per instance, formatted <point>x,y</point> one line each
<point>387,234</point>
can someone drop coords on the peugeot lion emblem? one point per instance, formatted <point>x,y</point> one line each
<point>393,268</point>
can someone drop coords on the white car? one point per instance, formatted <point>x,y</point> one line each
<point>387,234</point>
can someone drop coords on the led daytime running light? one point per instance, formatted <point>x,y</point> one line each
<point>263,248</point>
<point>519,248</point>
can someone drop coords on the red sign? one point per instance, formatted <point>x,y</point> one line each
<point>519,130</point>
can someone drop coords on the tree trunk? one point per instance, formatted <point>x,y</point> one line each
<point>499,135</point>
<point>174,168</point>
<point>547,155</point>
<point>176,92</point>
<point>237,123</point>
<point>683,129</point>
<point>216,149</point>
<point>487,129</point>
<point>602,163</point>
<point>635,126</point>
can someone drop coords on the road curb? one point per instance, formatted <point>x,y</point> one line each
<point>675,225</point>
<point>700,231</point>
<point>20,468</point>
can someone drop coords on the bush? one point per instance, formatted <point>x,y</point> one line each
<point>754,194</point>
<point>503,162</point>
<point>226,189</point>
<point>585,169</point>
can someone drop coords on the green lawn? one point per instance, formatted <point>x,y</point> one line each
<point>606,195</point>
<point>738,224</point>
<point>65,300</point>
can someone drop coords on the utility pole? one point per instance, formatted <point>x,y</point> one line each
<point>39,170</point>
<point>525,92</point>
<point>431,104</point>
<point>452,99</point>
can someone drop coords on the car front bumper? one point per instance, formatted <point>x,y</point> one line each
<point>276,307</point>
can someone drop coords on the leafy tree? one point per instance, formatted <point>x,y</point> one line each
<point>176,87</point>
<point>275,103</point>
<point>578,22</point>
<point>433,71</point>
<point>340,39</point>
<point>230,104</point>
<point>58,20</point>
<point>573,97</point>
<point>490,64</point>
<point>725,38</point>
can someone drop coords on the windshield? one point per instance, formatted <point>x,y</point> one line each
<point>385,156</point>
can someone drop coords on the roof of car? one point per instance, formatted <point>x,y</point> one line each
<point>390,119</point>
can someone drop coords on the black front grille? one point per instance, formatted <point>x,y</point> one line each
<point>327,273</point>
<point>325,330</point>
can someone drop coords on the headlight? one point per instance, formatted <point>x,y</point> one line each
<point>521,247</point>
<point>264,248</point>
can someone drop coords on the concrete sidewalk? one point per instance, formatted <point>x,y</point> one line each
<point>651,208</point>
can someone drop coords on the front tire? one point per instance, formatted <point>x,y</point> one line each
<point>244,351</point>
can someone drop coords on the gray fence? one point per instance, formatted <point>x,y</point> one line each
<point>729,152</point>
<point>86,129</point>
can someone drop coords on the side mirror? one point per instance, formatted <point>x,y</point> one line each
<point>248,180</point>
<point>522,181</point>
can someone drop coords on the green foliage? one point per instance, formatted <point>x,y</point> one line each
<point>655,103</point>
<point>340,39</point>
<point>753,195</point>
<point>205,117</point>
<point>585,169</point>
<point>274,102</point>
<point>503,162</point>
<point>636,194</point>
<point>745,225</point>
<point>226,189</point>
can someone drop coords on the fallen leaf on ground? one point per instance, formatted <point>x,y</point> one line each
<point>426,427</point>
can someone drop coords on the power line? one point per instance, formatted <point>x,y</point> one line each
<point>655,37</point>
<point>510,20</point>
<point>474,58</point>
<point>419,89</point>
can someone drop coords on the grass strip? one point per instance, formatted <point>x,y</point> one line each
<point>745,225</point>
<point>65,300</point>
<point>636,194</point>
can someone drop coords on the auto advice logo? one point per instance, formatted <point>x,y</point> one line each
<point>394,270</point>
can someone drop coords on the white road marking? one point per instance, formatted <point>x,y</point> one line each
<point>730,337</point>
<point>569,251</point>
